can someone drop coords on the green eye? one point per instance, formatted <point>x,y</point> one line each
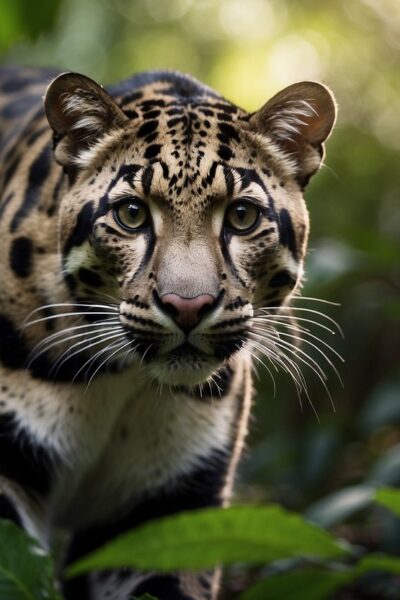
<point>242,216</point>
<point>131,215</point>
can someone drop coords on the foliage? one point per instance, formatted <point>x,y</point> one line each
<point>21,19</point>
<point>390,499</point>
<point>201,539</point>
<point>301,556</point>
<point>26,572</point>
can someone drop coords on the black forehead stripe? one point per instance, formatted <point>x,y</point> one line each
<point>126,172</point>
<point>150,104</point>
<point>229,180</point>
<point>287,235</point>
<point>228,131</point>
<point>249,176</point>
<point>152,151</point>
<point>38,172</point>
<point>209,178</point>
<point>147,127</point>
<point>147,178</point>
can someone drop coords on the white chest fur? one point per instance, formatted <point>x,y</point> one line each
<point>119,439</point>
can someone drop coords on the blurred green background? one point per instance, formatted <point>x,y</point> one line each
<point>248,50</point>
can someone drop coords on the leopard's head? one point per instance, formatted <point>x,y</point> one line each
<point>185,214</point>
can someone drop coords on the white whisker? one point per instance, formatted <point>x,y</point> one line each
<point>101,338</point>
<point>110,321</point>
<point>216,385</point>
<point>59,316</point>
<point>306,341</point>
<point>278,318</point>
<point>299,385</point>
<point>120,348</point>
<point>258,359</point>
<point>145,352</point>
<point>276,355</point>
<point>128,352</point>
<point>86,305</point>
<point>301,309</point>
<point>47,347</point>
<point>211,392</point>
<point>310,298</point>
<point>307,360</point>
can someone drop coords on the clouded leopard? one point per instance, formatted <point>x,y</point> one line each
<point>152,233</point>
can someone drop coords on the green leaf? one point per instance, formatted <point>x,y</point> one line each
<point>389,498</point>
<point>307,585</point>
<point>204,538</point>
<point>379,562</point>
<point>145,597</point>
<point>26,572</point>
<point>318,584</point>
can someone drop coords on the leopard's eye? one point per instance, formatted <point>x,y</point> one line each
<point>242,216</point>
<point>131,215</point>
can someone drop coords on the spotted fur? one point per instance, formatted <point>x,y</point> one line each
<point>112,411</point>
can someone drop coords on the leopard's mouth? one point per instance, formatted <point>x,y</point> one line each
<point>185,364</point>
<point>186,351</point>
<point>189,365</point>
<point>185,359</point>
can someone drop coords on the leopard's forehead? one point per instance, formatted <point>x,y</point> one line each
<point>187,150</point>
<point>187,134</point>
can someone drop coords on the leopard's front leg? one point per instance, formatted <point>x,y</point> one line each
<point>199,489</point>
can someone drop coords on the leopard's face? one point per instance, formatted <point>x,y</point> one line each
<point>187,220</point>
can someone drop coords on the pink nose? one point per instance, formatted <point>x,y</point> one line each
<point>187,312</point>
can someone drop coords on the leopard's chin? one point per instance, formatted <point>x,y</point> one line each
<point>187,373</point>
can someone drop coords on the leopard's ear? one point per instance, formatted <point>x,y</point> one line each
<point>299,119</point>
<point>80,112</point>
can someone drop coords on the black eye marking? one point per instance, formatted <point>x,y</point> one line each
<point>242,217</point>
<point>131,215</point>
